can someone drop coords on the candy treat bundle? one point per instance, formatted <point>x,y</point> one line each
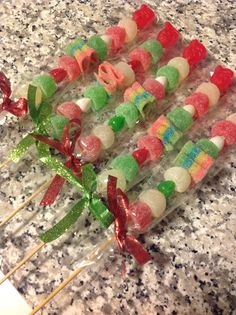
<point>130,163</point>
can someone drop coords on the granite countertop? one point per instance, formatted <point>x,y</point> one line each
<point>193,270</point>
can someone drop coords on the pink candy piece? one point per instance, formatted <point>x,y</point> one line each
<point>141,215</point>
<point>194,52</point>
<point>58,74</point>
<point>144,17</point>
<point>155,88</point>
<point>118,35</point>
<point>89,147</point>
<point>225,128</point>
<point>69,110</point>
<point>70,65</point>
<point>137,67</point>
<point>153,145</point>
<point>142,56</point>
<point>200,102</point>
<point>168,36</point>
<point>222,78</point>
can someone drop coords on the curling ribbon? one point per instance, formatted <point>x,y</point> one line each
<point>67,149</point>
<point>18,108</point>
<point>118,205</point>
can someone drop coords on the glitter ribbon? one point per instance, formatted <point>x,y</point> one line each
<point>118,204</point>
<point>67,149</point>
<point>18,108</point>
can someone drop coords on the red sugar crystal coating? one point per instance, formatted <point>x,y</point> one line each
<point>222,78</point>
<point>153,145</point>
<point>168,36</point>
<point>155,88</point>
<point>137,67</point>
<point>141,215</point>
<point>70,65</point>
<point>200,102</point>
<point>89,147</point>
<point>194,52</point>
<point>118,35</point>
<point>58,74</point>
<point>69,110</point>
<point>140,155</point>
<point>142,56</point>
<point>225,128</point>
<point>144,17</point>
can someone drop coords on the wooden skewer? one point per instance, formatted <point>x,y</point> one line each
<point>34,195</point>
<point>23,261</point>
<point>101,249</point>
<point>5,163</point>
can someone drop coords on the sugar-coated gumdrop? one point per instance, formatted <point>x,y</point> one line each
<point>222,78</point>
<point>130,28</point>
<point>155,200</point>
<point>153,145</point>
<point>142,56</point>
<point>180,118</point>
<point>140,155</point>
<point>137,67</point>
<point>118,36</point>
<point>155,88</point>
<point>172,76</point>
<point>208,147</point>
<point>144,17</point>
<point>194,52</point>
<point>69,110</point>
<point>155,48</point>
<point>58,74</point>
<point>141,215</point>
<point>70,65</point>
<point>98,44</point>
<point>225,128</point>
<point>98,96</point>
<point>128,165</point>
<point>129,112</point>
<point>200,102</point>
<point>168,36</point>
<point>89,147</point>
<point>46,83</point>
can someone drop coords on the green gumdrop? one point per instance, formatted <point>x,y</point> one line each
<point>78,43</point>
<point>55,126</point>
<point>98,45</point>
<point>46,83</point>
<point>180,118</point>
<point>208,147</point>
<point>117,123</point>
<point>172,76</point>
<point>154,48</point>
<point>127,165</point>
<point>167,187</point>
<point>129,112</point>
<point>98,96</point>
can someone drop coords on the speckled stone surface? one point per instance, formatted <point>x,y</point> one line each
<point>193,270</point>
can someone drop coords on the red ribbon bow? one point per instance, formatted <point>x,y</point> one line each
<point>118,204</point>
<point>18,108</point>
<point>67,149</point>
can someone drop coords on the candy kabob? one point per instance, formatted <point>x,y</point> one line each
<point>79,58</point>
<point>155,203</point>
<point>90,147</point>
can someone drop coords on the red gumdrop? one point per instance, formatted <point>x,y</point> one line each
<point>142,56</point>
<point>168,36</point>
<point>69,110</point>
<point>194,52</point>
<point>140,155</point>
<point>144,17</point>
<point>137,67</point>
<point>58,74</point>
<point>222,78</point>
<point>141,214</point>
<point>89,147</point>
<point>118,35</point>
<point>70,65</point>
<point>153,145</point>
<point>200,102</point>
<point>225,128</point>
<point>155,88</point>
